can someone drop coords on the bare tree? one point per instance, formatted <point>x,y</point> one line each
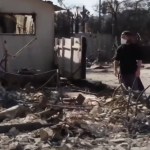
<point>61,2</point>
<point>115,7</point>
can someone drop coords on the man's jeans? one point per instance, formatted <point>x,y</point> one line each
<point>130,80</point>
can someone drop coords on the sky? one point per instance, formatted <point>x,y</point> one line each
<point>88,3</point>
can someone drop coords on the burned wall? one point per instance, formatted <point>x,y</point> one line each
<point>39,54</point>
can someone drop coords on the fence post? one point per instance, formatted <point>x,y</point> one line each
<point>71,51</point>
<point>83,57</point>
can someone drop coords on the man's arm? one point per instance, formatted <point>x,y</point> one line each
<point>139,59</point>
<point>116,65</point>
<point>139,64</point>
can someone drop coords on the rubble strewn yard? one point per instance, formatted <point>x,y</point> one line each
<point>77,115</point>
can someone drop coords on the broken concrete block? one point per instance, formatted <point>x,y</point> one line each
<point>97,67</point>
<point>29,126</point>
<point>45,134</point>
<point>70,101</point>
<point>4,138</point>
<point>43,102</point>
<point>13,112</point>
<point>102,115</point>
<point>2,91</point>
<point>38,94</point>
<point>48,113</point>
<point>55,96</point>
<point>80,99</point>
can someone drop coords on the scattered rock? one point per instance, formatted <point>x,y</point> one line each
<point>69,146</point>
<point>82,122</point>
<point>13,132</point>
<point>147,67</point>
<point>86,143</point>
<point>97,67</point>
<point>109,100</point>
<point>124,145</point>
<point>32,147</point>
<point>13,112</point>
<point>98,141</point>
<point>95,111</point>
<point>15,146</point>
<point>118,141</point>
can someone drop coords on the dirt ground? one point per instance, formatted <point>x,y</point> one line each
<point>107,76</point>
<point>78,115</point>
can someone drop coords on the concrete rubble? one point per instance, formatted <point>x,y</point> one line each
<point>72,117</point>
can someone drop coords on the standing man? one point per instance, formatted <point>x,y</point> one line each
<point>128,60</point>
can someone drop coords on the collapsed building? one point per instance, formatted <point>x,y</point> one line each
<point>27,41</point>
<point>31,24</point>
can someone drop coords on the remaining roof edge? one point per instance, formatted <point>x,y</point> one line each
<point>56,8</point>
<point>48,2</point>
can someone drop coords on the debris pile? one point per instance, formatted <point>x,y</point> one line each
<point>66,120</point>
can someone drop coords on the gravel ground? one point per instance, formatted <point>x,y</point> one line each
<point>107,76</point>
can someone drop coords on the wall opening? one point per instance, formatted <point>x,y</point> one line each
<point>17,24</point>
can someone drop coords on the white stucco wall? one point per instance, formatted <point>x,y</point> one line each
<point>39,55</point>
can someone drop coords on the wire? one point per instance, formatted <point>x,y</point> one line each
<point>140,97</point>
<point>130,92</point>
<point>47,81</point>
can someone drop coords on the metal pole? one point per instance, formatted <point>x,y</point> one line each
<point>113,22</point>
<point>100,15</point>
<point>25,46</point>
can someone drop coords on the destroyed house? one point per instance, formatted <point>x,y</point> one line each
<point>27,34</point>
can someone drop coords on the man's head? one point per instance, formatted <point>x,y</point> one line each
<point>126,37</point>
